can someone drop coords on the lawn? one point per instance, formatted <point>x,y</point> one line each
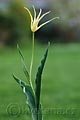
<point>60,95</point>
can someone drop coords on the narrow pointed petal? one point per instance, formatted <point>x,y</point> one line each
<point>29,13</point>
<point>39,14</point>
<point>34,12</point>
<point>44,15</point>
<point>47,22</point>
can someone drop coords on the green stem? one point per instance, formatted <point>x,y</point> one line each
<point>31,65</point>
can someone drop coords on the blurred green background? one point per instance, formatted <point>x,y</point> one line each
<point>60,95</point>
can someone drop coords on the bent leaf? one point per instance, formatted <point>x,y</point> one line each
<point>27,90</point>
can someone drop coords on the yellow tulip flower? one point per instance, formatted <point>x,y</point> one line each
<point>36,19</point>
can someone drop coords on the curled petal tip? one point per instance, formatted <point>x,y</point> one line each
<point>24,7</point>
<point>49,11</point>
<point>57,17</point>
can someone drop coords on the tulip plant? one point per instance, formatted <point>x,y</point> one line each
<point>33,95</point>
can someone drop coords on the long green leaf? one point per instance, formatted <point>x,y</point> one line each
<point>38,79</point>
<point>23,62</point>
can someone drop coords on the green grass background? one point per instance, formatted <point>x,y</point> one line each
<point>60,95</point>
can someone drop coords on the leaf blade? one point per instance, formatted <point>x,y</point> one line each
<point>38,79</point>
<point>24,65</point>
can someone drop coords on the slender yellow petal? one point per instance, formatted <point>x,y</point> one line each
<point>47,22</point>
<point>39,14</point>
<point>29,13</point>
<point>44,15</point>
<point>34,12</point>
